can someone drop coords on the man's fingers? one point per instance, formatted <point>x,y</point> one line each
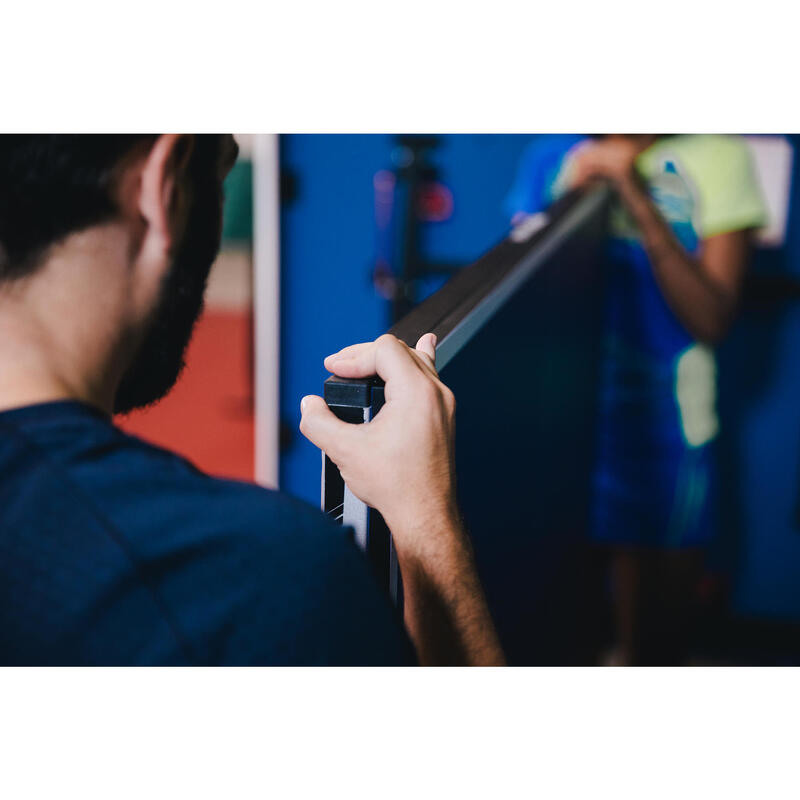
<point>357,361</point>
<point>387,357</point>
<point>346,353</point>
<point>426,353</point>
<point>322,427</point>
<point>427,345</point>
<point>398,365</point>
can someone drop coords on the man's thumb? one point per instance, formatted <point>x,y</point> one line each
<point>321,426</point>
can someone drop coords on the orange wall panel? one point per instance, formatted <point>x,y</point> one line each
<point>208,416</point>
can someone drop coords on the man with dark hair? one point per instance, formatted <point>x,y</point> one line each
<point>116,552</point>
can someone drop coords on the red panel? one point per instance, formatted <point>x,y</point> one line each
<point>208,416</point>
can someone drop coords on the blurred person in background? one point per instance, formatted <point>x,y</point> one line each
<point>684,210</point>
<point>113,551</point>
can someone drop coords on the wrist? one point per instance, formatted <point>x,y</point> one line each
<point>416,514</point>
<point>430,540</point>
<point>628,180</point>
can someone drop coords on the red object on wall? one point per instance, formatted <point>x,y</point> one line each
<point>434,203</point>
<point>208,416</point>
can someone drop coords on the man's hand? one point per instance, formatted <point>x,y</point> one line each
<point>401,463</point>
<point>611,159</point>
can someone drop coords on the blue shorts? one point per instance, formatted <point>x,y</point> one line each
<point>654,499</point>
<point>651,486</point>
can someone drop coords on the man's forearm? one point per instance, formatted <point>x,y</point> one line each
<point>445,611</point>
<point>701,305</point>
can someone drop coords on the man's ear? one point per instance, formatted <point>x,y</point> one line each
<point>162,190</point>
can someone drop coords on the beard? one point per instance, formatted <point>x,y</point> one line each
<point>160,358</point>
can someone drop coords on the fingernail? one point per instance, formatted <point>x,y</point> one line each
<point>303,406</point>
<point>433,339</point>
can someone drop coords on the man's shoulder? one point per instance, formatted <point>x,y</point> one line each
<point>154,486</point>
<point>280,581</point>
<point>275,581</point>
<point>127,478</point>
<point>239,573</point>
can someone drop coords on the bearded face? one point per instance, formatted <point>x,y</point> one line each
<point>160,358</point>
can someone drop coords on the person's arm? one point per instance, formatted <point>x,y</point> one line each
<point>702,290</point>
<point>402,464</point>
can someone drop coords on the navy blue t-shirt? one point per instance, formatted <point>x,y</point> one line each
<point>116,552</point>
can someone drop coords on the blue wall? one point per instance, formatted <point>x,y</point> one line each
<point>760,441</point>
<point>327,299</point>
<point>761,450</point>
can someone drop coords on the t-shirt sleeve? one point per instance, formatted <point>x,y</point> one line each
<point>730,194</point>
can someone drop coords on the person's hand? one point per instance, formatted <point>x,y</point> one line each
<point>400,463</point>
<point>612,159</point>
